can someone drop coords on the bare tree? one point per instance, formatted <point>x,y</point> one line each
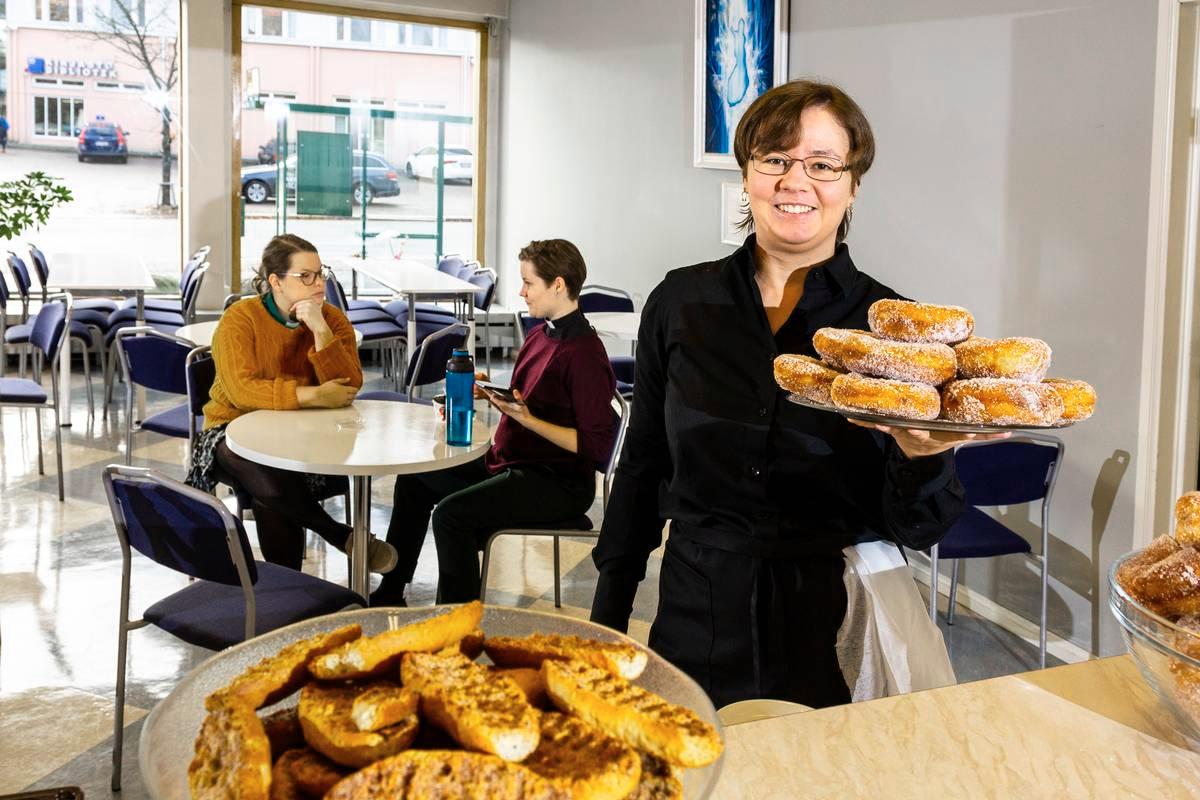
<point>151,40</point>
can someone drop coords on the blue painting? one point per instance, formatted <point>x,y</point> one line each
<point>741,58</point>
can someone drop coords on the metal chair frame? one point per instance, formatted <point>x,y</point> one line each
<point>622,409</point>
<point>126,333</point>
<point>1041,558</point>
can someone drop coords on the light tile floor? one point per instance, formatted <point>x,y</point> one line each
<point>59,574</point>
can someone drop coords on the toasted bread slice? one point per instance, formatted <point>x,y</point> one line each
<point>283,787</point>
<point>660,781</point>
<point>472,644</point>
<point>233,756</point>
<point>583,761</point>
<point>480,710</point>
<point>329,729</point>
<point>449,774</point>
<point>277,676</point>
<point>283,730</point>
<point>619,658</point>
<point>379,654</point>
<point>531,684</point>
<point>311,773</point>
<point>382,705</point>
<point>632,714</point>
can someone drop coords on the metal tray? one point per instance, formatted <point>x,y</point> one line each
<point>925,424</point>
<point>170,731</point>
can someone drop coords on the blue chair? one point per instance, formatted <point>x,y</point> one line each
<point>428,365</point>
<point>235,597</point>
<point>102,306</point>
<point>485,279</point>
<point>623,369</point>
<point>46,337</point>
<point>166,310</point>
<point>577,528</point>
<point>383,332</point>
<point>156,361</point>
<point>596,298</point>
<point>1001,473</point>
<point>175,303</point>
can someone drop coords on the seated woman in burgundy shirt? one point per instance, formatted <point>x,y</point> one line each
<point>541,467</point>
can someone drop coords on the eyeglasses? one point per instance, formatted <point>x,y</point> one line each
<point>309,278</point>
<point>819,168</point>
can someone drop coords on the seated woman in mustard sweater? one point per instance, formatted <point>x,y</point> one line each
<point>285,349</point>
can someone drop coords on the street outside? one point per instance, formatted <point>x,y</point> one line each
<point>114,215</point>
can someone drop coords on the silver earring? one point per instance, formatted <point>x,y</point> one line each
<point>745,199</point>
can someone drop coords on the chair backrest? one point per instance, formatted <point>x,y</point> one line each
<point>334,293</point>
<point>450,264</point>
<point>154,359</point>
<point>40,265</point>
<point>230,299</point>
<point>1009,471</point>
<point>620,427</point>
<point>428,364</point>
<point>178,526</point>
<point>49,326</point>
<point>593,298</point>
<point>191,295</point>
<point>199,373</point>
<point>485,279</point>
<point>528,323</point>
<point>20,273</point>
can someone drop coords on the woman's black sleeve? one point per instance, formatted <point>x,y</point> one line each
<point>632,524</point>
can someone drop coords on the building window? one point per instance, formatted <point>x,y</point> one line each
<point>272,22</point>
<point>59,10</point>
<point>57,116</point>
<point>420,35</point>
<point>122,11</point>
<point>353,29</point>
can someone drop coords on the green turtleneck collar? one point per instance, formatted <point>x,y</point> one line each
<point>273,310</point>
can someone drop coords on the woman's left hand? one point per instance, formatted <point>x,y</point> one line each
<point>515,409</point>
<point>917,443</point>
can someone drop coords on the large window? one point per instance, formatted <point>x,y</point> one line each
<point>354,29</point>
<point>57,116</point>
<point>58,10</point>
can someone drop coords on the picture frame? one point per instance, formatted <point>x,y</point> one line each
<point>731,214</point>
<point>741,51</point>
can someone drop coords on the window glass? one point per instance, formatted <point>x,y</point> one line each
<point>39,116</point>
<point>360,30</point>
<point>60,11</point>
<point>272,22</point>
<point>421,35</point>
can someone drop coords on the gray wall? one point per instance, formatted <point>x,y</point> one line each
<point>1011,177</point>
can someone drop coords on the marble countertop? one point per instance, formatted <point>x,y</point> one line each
<point>1084,730</point>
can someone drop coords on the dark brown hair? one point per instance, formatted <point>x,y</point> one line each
<point>556,258</point>
<point>772,123</point>
<point>277,259</point>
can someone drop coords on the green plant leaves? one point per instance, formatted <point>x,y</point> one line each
<point>26,202</point>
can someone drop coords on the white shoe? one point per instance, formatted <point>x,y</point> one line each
<point>381,556</point>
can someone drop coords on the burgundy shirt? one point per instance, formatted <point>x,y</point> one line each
<point>565,378</point>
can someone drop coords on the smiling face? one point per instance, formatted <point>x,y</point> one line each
<point>796,217</point>
<point>289,290</point>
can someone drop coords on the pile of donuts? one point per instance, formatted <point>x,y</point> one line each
<point>1165,578</point>
<point>921,361</point>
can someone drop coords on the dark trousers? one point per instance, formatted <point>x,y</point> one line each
<point>283,505</point>
<point>471,505</point>
<point>746,627</point>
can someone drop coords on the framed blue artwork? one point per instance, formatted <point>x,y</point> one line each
<point>741,52</point>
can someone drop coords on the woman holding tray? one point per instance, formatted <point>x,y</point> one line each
<point>764,494</point>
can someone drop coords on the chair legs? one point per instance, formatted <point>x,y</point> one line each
<point>57,450</point>
<point>119,709</point>
<point>1043,632</point>
<point>953,591</point>
<point>37,415</point>
<point>553,533</point>
<point>557,576</point>
<point>933,583</point>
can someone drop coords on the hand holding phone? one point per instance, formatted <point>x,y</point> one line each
<point>503,392</point>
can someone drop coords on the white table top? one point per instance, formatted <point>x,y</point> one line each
<point>622,324</point>
<point>201,333</point>
<point>84,271</point>
<point>405,276</point>
<point>370,437</point>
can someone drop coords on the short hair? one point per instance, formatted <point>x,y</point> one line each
<point>556,258</point>
<point>277,259</point>
<point>772,123</point>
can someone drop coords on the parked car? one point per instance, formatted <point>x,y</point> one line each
<point>103,139</point>
<point>458,164</point>
<point>258,182</point>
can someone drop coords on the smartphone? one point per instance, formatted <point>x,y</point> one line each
<point>503,392</point>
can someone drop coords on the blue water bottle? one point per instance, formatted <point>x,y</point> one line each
<point>460,398</point>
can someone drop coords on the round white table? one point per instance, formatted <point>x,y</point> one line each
<point>622,324</point>
<point>363,440</point>
<point>201,333</point>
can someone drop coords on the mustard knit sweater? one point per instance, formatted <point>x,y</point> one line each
<point>261,362</point>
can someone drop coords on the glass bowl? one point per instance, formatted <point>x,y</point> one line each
<point>1167,655</point>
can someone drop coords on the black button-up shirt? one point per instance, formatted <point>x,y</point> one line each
<point>715,446</point>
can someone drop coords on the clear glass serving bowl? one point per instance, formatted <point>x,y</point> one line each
<point>1167,655</point>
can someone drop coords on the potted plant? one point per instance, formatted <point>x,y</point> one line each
<point>27,201</point>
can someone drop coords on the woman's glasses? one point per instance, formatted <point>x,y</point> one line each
<point>819,168</point>
<point>309,278</point>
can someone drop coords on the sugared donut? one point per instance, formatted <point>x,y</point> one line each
<point>853,392</point>
<point>907,321</point>
<point>805,376</point>
<point>1079,398</point>
<point>868,354</point>
<point>994,401</point>
<point>1187,518</point>
<point>1016,358</point>
<point>1170,587</point>
<point>1154,552</point>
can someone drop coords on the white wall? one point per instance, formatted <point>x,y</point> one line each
<point>1011,177</point>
